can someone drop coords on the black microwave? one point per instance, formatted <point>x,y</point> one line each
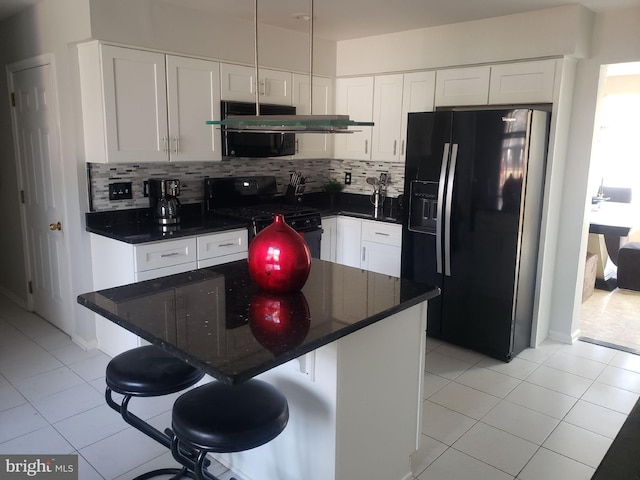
<point>256,145</point>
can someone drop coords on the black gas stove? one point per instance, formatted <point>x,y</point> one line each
<point>255,200</point>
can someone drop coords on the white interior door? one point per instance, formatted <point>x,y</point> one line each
<point>35,123</point>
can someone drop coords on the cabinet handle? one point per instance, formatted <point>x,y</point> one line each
<point>173,254</point>
<point>402,148</point>
<point>165,143</point>
<point>263,87</point>
<point>176,144</point>
<point>297,146</point>
<point>366,147</point>
<point>230,244</point>
<point>395,144</point>
<point>381,233</point>
<point>364,253</point>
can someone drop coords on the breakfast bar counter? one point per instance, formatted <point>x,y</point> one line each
<point>347,351</point>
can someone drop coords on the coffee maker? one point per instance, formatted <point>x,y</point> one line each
<point>163,200</point>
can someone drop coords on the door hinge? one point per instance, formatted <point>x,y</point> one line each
<point>30,287</point>
<point>13,99</point>
<point>22,196</point>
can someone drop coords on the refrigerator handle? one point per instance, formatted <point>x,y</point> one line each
<point>447,225</point>
<point>443,174</point>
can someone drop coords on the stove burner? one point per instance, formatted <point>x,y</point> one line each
<point>300,218</point>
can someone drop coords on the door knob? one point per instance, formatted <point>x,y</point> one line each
<point>55,226</point>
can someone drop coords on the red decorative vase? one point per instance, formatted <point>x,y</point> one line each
<point>278,321</point>
<point>279,259</point>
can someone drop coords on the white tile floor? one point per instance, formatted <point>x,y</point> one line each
<point>549,414</point>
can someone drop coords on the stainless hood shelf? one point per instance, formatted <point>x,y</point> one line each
<point>290,123</point>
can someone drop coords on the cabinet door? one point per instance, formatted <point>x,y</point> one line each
<point>527,82</point>
<point>381,246</point>
<point>348,242</point>
<point>238,83</point>
<point>462,86</point>
<point>417,96</point>
<point>329,239</point>
<point>135,105</point>
<point>316,145</point>
<point>354,97</point>
<point>387,116</point>
<point>380,258</point>
<point>193,88</point>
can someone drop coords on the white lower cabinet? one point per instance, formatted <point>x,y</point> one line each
<point>328,244</point>
<point>369,244</point>
<point>381,246</point>
<point>119,263</point>
<point>348,243</point>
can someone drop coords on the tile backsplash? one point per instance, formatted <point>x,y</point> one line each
<point>191,175</point>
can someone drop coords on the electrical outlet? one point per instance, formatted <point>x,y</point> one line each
<point>120,191</point>
<point>347,178</point>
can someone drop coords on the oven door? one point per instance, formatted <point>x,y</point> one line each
<point>313,239</point>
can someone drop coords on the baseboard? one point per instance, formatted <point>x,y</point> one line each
<point>562,337</point>
<point>15,299</point>
<point>82,343</point>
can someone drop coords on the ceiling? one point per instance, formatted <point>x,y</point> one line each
<point>347,19</point>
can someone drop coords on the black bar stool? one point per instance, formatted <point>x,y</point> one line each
<point>148,372</point>
<point>224,418</point>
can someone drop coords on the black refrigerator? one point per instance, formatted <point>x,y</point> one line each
<point>473,194</point>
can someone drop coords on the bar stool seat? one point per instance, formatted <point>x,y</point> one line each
<point>226,418</point>
<point>148,372</point>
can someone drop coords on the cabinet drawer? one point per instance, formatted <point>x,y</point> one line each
<point>165,254</point>
<point>221,244</point>
<point>379,232</point>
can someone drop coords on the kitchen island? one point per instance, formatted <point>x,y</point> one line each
<point>347,351</point>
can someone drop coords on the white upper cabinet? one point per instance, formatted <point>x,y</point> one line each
<point>417,96</point>
<point>354,97</point>
<point>313,145</point>
<point>387,117</point>
<point>462,86</point>
<point>238,83</point>
<point>193,88</point>
<point>392,98</point>
<point>526,82</point>
<point>141,106</point>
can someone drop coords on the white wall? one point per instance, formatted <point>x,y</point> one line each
<point>553,32</point>
<point>160,26</point>
<point>616,39</point>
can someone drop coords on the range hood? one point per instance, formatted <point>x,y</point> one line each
<point>288,123</point>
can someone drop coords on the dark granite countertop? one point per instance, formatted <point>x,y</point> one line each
<point>218,320</point>
<point>137,226</point>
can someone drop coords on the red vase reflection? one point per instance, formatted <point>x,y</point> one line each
<point>279,322</point>
<point>279,259</point>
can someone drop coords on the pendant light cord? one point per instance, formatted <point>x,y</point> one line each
<point>310,57</point>
<point>255,54</point>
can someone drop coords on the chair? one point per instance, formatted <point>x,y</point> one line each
<point>629,266</point>
<point>148,372</point>
<point>222,418</point>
